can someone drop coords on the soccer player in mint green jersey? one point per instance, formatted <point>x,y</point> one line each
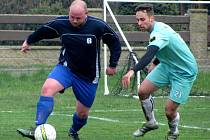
<point>173,65</point>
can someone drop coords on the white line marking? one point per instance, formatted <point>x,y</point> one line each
<point>160,97</point>
<point>195,127</point>
<point>91,117</point>
<point>10,111</point>
<point>103,119</point>
<point>111,120</point>
<point>115,110</point>
<point>118,121</point>
<point>6,111</point>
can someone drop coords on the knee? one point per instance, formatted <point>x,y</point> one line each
<point>46,90</point>
<point>142,94</point>
<point>82,114</point>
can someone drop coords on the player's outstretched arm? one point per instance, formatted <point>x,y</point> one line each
<point>25,47</point>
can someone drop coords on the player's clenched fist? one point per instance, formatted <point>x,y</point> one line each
<point>111,71</point>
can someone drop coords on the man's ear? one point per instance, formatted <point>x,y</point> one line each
<point>152,18</point>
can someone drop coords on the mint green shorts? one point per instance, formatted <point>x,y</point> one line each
<point>180,83</point>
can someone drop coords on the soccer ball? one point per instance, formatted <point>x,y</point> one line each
<point>45,132</point>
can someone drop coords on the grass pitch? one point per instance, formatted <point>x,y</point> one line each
<point>111,118</point>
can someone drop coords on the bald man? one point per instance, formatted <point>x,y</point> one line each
<point>79,63</point>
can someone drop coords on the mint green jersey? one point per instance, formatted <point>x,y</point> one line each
<point>173,51</point>
<point>177,68</point>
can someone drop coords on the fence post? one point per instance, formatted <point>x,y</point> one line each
<point>198,35</point>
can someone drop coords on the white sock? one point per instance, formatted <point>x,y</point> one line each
<point>148,109</point>
<point>173,125</point>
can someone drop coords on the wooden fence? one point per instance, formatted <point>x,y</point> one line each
<point>12,59</point>
<point>11,35</point>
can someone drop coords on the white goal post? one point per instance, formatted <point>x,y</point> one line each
<point>107,7</point>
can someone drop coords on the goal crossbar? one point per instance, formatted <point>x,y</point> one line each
<point>159,1</point>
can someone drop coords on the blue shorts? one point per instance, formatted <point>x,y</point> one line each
<point>180,85</point>
<point>84,91</point>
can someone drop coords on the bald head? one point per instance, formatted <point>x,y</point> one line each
<point>78,13</point>
<point>78,4</point>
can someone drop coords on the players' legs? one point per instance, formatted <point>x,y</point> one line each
<point>173,119</point>
<point>147,104</point>
<point>180,90</point>
<point>172,116</point>
<point>46,101</point>
<point>80,117</point>
<point>158,77</point>
<point>155,79</point>
<point>85,94</point>
<point>58,79</point>
<point>146,100</point>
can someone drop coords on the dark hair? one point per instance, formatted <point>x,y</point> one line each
<point>148,8</point>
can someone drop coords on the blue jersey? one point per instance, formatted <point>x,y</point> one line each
<point>80,50</point>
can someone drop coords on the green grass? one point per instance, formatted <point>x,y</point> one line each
<point>111,118</point>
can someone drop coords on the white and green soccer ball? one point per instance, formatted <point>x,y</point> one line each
<point>45,132</point>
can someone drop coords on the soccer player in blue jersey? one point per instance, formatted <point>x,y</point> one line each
<point>79,63</point>
<point>173,65</point>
